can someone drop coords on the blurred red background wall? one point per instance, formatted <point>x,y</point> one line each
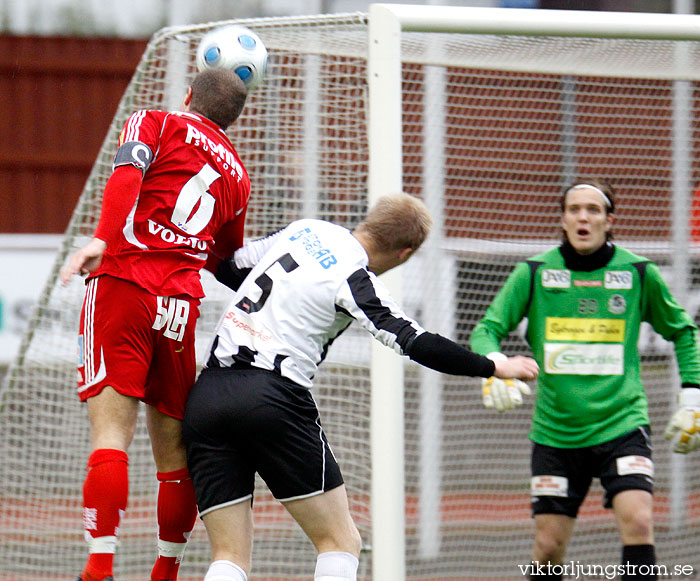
<point>58,96</point>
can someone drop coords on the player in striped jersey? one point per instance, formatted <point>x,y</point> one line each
<point>175,203</point>
<point>251,409</point>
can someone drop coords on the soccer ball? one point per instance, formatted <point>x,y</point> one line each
<point>236,48</point>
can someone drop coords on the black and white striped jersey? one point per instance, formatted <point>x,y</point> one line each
<point>308,282</point>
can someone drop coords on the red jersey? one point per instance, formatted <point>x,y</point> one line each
<point>194,186</point>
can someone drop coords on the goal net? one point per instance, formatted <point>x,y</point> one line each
<point>493,124</point>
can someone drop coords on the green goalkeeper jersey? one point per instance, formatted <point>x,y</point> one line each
<point>584,320</point>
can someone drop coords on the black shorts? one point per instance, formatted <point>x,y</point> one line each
<point>242,421</point>
<point>561,477</point>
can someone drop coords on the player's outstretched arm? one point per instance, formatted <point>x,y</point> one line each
<point>684,426</point>
<point>504,390</point>
<point>446,356</point>
<point>85,260</point>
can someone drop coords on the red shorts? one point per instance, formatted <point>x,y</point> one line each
<point>139,344</point>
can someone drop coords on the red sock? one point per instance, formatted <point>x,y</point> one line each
<point>105,493</point>
<point>177,512</point>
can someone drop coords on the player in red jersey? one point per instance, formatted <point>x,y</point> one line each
<point>175,202</point>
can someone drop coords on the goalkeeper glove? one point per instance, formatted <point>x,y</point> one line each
<point>684,427</point>
<point>502,394</point>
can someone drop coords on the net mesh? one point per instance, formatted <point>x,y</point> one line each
<point>493,126</point>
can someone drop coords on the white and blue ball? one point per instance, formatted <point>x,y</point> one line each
<point>237,48</point>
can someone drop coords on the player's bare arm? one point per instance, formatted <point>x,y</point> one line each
<point>85,260</point>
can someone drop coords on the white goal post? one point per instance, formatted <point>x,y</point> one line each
<point>485,114</point>
<point>387,23</point>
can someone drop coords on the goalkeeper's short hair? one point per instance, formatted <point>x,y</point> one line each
<point>599,184</point>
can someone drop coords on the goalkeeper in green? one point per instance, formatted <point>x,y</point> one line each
<point>585,301</point>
